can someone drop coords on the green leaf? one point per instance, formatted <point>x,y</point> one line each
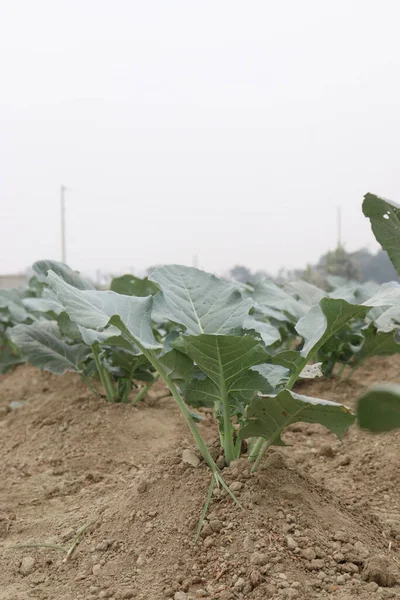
<point>178,366</point>
<point>97,310</point>
<point>387,320</point>
<point>305,292</point>
<point>42,268</point>
<point>67,328</point>
<point>276,375</point>
<point>268,416</point>
<point>384,216</point>
<point>268,333</point>
<point>378,410</point>
<point>91,336</point>
<point>267,295</point>
<point>377,344</point>
<point>227,362</point>
<point>290,359</point>
<point>42,305</point>
<point>199,301</point>
<point>42,345</point>
<point>324,320</point>
<point>11,301</point>
<point>133,286</point>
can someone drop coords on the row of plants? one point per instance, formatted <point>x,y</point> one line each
<point>239,349</point>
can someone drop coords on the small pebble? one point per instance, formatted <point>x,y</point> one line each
<point>326,450</point>
<point>27,565</point>
<point>308,553</point>
<point>142,486</point>
<point>190,458</point>
<point>236,486</point>
<point>258,558</point>
<point>291,543</point>
<point>216,525</point>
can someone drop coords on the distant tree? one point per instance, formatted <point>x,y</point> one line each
<point>341,263</point>
<point>241,273</point>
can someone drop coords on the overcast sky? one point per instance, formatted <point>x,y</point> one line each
<point>223,129</point>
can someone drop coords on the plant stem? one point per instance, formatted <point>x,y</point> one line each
<point>205,507</point>
<point>264,447</point>
<point>90,385</point>
<point>256,449</point>
<point>341,369</point>
<point>295,375</point>
<point>77,539</point>
<point>104,375</point>
<point>49,546</point>
<point>183,408</point>
<point>143,391</point>
<point>229,450</point>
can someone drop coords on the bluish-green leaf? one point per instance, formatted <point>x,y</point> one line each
<point>42,345</point>
<point>42,268</point>
<point>199,301</point>
<point>97,310</point>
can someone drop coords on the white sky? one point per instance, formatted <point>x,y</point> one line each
<point>224,129</point>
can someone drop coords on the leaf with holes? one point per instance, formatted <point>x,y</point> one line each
<point>384,216</point>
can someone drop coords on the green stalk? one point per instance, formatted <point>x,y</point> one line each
<point>89,384</point>
<point>229,450</point>
<point>104,375</point>
<point>202,446</point>
<point>264,447</point>
<point>341,369</point>
<point>294,377</point>
<point>143,391</point>
<point>256,449</point>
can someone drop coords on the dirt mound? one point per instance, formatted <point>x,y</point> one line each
<point>319,520</point>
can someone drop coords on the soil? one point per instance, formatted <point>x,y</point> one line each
<point>321,518</point>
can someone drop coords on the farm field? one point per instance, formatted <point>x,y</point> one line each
<point>183,436</point>
<point>318,518</point>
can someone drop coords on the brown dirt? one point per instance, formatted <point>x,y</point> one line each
<point>318,519</point>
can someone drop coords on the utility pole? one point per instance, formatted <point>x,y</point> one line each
<point>339,227</point>
<point>63,189</point>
